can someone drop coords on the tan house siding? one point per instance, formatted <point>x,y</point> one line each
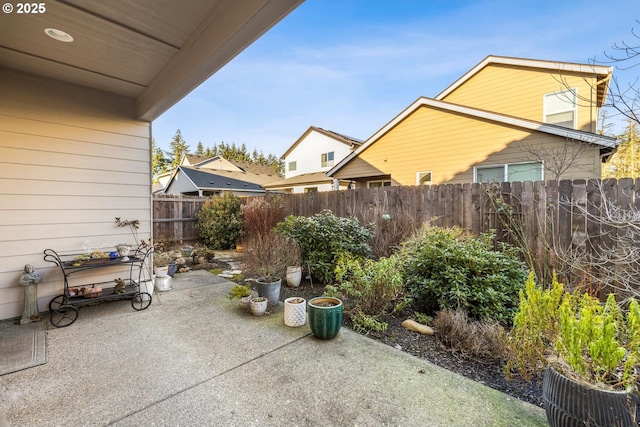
<point>423,141</point>
<point>519,91</point>
<point>71,160</point>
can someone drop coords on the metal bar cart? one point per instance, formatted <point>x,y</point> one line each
<point>64,307</point>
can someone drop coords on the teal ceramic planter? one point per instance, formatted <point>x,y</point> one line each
<point>325,317</point>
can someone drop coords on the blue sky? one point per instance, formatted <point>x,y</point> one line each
<point>350,66</point>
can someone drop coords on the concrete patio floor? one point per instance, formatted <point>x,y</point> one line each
<point>193,358</point>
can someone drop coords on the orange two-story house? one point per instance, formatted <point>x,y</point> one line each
<point>507,119</point>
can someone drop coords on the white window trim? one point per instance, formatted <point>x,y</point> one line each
<point>418,177</point>
<point>295,163</point>
<point>574,92</point>
<point>505,169</point>
<point>328,163</point>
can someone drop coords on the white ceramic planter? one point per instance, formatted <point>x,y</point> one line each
<point>123,251</point>
<point>161,271</point>
<point>258,308</point>
<point>294,276</point>
<point>295,311</point>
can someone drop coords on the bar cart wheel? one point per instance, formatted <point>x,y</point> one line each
<point>140,301</point>
<point>57,302</point>
<point>63,316</point>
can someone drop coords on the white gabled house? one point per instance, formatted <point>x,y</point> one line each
<point>310,157</point>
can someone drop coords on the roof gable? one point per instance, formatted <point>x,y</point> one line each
<point>347,140</point>
<point>602,73</point>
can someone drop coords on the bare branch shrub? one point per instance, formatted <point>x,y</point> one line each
<point>261,214</point>
<point>509,217</point>
<point>608,261</point>
<point>390,228</point>
<point>472,338</point>
<point>269,254</point>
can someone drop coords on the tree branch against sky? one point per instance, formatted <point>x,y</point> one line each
<point>624,97</point>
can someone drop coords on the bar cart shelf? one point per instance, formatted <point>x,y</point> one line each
<point>64,307</point>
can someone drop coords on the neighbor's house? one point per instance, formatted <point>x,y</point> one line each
<point>507,119</point>
<point>80,85</point>
<point>199,181</point>
<point>215,163</point>
<point>310,157</point>
<point>246,172</point>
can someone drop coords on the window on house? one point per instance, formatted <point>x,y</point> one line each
<point>381,183</point>
<point>293,166</point>
<point>326,159</point>
<point>514,172</point>
<point>423,178</point>
<point>560,108</point>
<point>311,189</point>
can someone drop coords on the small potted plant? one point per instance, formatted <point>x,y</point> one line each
<point>293,255</point>
<point>266,255</point>
<point>243,293</point>
<point>186,250</point>
<point>258,306</point>
<point>123,250</point>
<point>161,261</point>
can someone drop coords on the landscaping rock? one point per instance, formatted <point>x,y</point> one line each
<point>412,325</point>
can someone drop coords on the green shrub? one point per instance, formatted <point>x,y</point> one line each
<point>443,268</point>
<point>577,334</point>
<point>365,323</point>
<point>219,222</point>
<point>322,237</point>
<point>592,340</point>
<point>370,288</point>
<point>535,328</point>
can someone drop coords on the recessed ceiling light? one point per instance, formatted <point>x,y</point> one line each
<point>58,35</point>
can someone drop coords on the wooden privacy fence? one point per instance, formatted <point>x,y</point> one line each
<point>174,218</point>
<point>561,212</point>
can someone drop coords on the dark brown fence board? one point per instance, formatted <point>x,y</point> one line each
<point>565,192</point>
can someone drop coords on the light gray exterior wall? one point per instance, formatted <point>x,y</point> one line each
<point>71,160</point>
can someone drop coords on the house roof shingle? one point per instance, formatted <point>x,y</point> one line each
<point>206,180</point>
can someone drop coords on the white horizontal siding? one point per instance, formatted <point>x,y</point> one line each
<point>308,154</point>
<point>71,160</point>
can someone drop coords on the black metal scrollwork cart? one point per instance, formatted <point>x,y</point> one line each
<point>64,307</point>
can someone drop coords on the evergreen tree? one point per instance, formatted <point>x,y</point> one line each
<point>200,149</point>
<point>178,148</point>
<point>159,163</point>
<point>242,154</point>
<point>625,163</point>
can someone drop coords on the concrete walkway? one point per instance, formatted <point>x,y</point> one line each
<point>193,358</point>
